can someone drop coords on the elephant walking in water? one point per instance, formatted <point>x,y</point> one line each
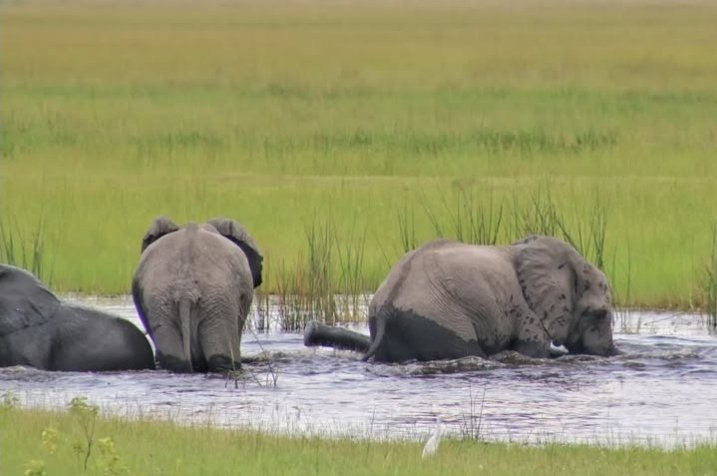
<point>193,289</point>
<point>447,300</point>
<point>39,330</point>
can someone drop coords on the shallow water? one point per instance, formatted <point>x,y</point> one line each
<point>661,391</point>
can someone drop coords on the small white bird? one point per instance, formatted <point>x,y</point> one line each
<point>432,444</point>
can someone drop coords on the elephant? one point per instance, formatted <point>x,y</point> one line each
<point>446,300</point>
<point>193,288</point>
<point>39,330</point>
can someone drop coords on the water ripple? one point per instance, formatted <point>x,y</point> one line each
<point>659,391</point>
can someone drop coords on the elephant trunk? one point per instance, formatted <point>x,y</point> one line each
<point>185,306</point>
<point>317,334</point>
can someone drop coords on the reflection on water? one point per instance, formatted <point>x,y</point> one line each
<point>661,391</point>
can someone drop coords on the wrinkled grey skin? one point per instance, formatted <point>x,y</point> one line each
<point>38,330</point>
<point>447,300</point>
<point>193,289</point>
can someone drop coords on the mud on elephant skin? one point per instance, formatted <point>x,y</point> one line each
<point>39,330</point>
<point>193,288</point>
<point>448,300</point>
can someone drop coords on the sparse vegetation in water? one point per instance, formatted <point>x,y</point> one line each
<point>710,283</point>
<point>326,284</point>
<point>42,442</point>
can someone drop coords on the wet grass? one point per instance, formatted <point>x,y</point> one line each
<point>80,442</point>
<point>394,123</point>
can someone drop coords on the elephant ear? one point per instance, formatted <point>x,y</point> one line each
<point>238,235</point>
<point>159,227</point>
<point>24,300</point>
<point>545,268</point>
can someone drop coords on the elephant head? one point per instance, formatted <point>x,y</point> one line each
<point>568,294</point>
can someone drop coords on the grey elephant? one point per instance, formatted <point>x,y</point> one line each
<point>193,288</point>
<point>39,330</point>
<point>448,300</point>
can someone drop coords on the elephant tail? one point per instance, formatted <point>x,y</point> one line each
<point>381,318</point>
<point>185,309</point>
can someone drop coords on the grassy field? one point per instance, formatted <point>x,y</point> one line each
<point>36,442</point>
<point>384,123</point>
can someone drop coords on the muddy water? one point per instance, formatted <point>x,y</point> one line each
<point>661,391</point>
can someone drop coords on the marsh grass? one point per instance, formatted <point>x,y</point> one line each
<point>263,320</point>
<point>468,219</point>
<point>407,228</point>
<point>623,295</point>
<point>327,284</point>
<point>48,442</point>
<point>485,221</point>
<point>274,114</point>
<point>25,250</point>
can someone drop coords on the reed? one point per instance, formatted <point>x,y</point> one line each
<point>464,217</point>
<point>481,221</point>
<point>325,284</point>
<point>407,228</point>
<point>263,320</point>
<point>539,216</point>
<point>25,250</point>
<point>351,282</point>
<point>710,283</point>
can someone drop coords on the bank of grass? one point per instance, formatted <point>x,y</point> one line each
<point>38,442</point>
<point>379,119</point>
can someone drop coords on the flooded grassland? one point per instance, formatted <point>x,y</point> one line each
<point>659,391</point>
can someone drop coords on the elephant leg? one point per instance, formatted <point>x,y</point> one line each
<point>168,338</point>
<point>220,340</point>
<point>30,347</point>
<point>532,340</point>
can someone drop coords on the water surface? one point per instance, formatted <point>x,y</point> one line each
<point>661,391</point>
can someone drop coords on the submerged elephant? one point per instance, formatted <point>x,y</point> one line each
<point>193,289</point>
<point>448,300</point>
<point>39,330</point>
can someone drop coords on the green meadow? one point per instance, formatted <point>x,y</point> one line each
<point>79,442</point>
<point>375,125</point>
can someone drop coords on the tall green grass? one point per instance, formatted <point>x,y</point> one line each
<point>24,247</point>
<point>325,285</point>
<point>395,123</point>
<point>80,442</point>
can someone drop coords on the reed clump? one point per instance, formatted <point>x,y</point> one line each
<point>325,284</point>
<point>709,283</point>
<point>25,249</point>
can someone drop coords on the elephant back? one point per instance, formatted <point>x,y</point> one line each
<point>24,300</point>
